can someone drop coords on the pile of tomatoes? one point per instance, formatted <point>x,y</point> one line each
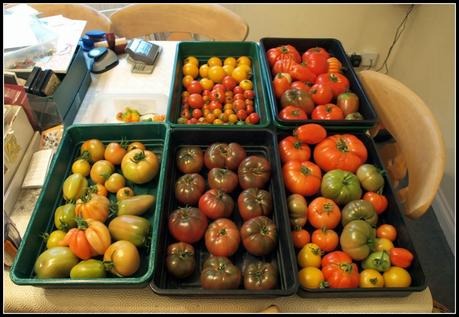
<point>210,215</point>
<point>345,203</point>
<point>218,92</point>
<point>94,235</point>
<point>311,86</point>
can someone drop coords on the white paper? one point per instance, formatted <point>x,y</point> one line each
<point>18,32</point>
<point>38,168</point>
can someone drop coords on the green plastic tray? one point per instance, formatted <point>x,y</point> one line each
<point>205,50</point>
<point>155,136</point>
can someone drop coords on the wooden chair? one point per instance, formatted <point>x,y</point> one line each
<point>419,147</point>
<point>177,21</point>
<point>95,20</point>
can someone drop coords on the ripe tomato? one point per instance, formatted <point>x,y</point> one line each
<point>311,277</point>
<point>254,202</point>
<point>378,201</point>
<point>197,113</point>
<point>114,153</point>
<point>219,273</point>
<point>123,258</point>
<point>101,171</point>
<point>323,212</point>
<point>321,94</point>
<point>240,73</point>
<point>124,193</point>
<point>98,189</point>
<point>190,159</point>
<point>370,278</point>
<point>302,177</point>
<point>215,204</point>
<point>291,149</point>
<point>191,60</point>
<point>298,210</point>
<point>341,275</point>
<point>223,179</point>
<point>140,166</point>
<point>191,70</point>
<point>194,87</point>
<point>281,83</point>
<point>283,52</point>
<point>230,61</point>
<point>54,238</point>
<point>224,155</point>
<point>326,239</point>
<point>216,74</point>
<point>298,98</point>
<point>300,85</point>
<point>401,257</point>
<point>302,73</point>
<point>337,82</point>
<point>260,276</point>
<point>334,65</point>
<point>309,255</point>
<point>316,63</point>
<point>327,112</point>
<point>217,95</point>
<point>195,101</point>
<point>135,145</point>
<point>249,94</point>
<point>132,228</point>
<point>115,182</point>
<point>222,238</point>
<point>396,277</point>
<point>95,150</point>
<point>348,102</point>
<point>340,151</point>
<point>246,84</point>
<point>186,81</point>
<point>313,50</point>
<point>254,171</point>
<point>383,244</point>
<point>253,118</point>
<point>386,231</point>
<point>206,83</point>
<point>259,235</point>
<point>300,238</point>
<point>229,82</point>
<point>180,261</point>
<point>283,66</point>
<point>214,61</point>
<point>310,133</point>
<point>293,113</point>
<point>204,70</point>
<point>336,257</point>
<point>74,187</point>
<point>189,188</point>
<point>94,207</point>
<point>81,167</point>
<point>239,104</point>
<point>187,224</point>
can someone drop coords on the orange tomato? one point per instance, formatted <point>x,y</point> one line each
<point>386,231</point>
<point>114,153</point>
<point>94,207</point>
<point>124,193</point>
<point>300,238</point>
<point>190,69</point>
<point>326,239</point>
<point>115,182</point>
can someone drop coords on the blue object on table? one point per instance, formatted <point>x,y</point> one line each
<point>86,43</point>
<point>96,35</point>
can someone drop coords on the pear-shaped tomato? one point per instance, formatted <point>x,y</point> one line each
<point>74,187</point>
<point>56,262</point>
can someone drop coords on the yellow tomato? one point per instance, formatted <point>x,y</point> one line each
<point>397,277</point>
<point>228,69</point>
<point>245,67</point>
<point>218,121</point>
<point>246,84</point>
<point>191,60</point>
<point>206,83</point>
<point>240,74</point>
<point>310,255</point>
<point>217,112</point>
<point>216,74</point>
<point>204,70</point>
<point>214,61</point>
<point>190,69</point>
<point>115,182</point>
<point>383,244</point>
<point>311,277</point>
<point>231,61</point>
<point>187,80</point>
<point>244,60</point>
<point>232,118</point>
<point>370,278</point>
<point>81,167</point>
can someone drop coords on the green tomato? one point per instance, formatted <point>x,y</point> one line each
<point>64,217</point>
<point>379,261</point>
<point>359,209</point>
<point>56,262</point>
<point>340,186</point>
<point>88,269</point>
<point>357,239</point>
<point>370,177</point>
<point>74,187</point>
<point>132,228</point>
<point>135,205</point>
<point>53,239</point>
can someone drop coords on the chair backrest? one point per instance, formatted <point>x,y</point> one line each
<point>413,126</point>
<point>210,20</point>
<point>95,20</point>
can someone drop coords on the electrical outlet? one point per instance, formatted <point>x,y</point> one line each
<point>368,59</point>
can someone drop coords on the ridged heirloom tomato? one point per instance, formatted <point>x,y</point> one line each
<point>292,149</point>
<point>187,224</point>
<point>140,166</point>
<point>222,237</point>
<point>302,177</point>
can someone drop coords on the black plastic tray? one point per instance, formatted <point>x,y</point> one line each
<point>392,215</point>
<point>335,49</point>
<point>258,142</point>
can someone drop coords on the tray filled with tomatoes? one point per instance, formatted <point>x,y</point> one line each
<point>95,222</point>
<point>224,228</point>
<point>313,81</point>
<point>346,222</point>
<point>218,84</point>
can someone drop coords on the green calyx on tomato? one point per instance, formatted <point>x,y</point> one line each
<point>260,276</point>
<point>64,217</point>
<point>379,261</point>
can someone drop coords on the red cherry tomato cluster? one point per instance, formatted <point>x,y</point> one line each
<point>217,94</point>
<point>311,85</point>
<point>341,241</point>
<point>209,214</point>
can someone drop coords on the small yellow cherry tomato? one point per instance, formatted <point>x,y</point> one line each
<point>214,61</point>
<point>187,80</point>
<point>240,74</point>
<point>191,60</point>
<point>244,60</point>
<point>397,277</point>
<point>206,83</point>
<point>81,167</point>
<point>55,238</point>
<point>190,69</point>
<point>383,244</point>
<point>246,84</point>
<point>228,69</point>
<point>245,67</point>
<point>218,121</point>
<point>230,61</point>
<point>216,74</point>
<point>232,118</point>
<point>115,182</point>
<point>124,193</point>
<point>204,70</point>
<point>311,277</point>
<point>310,255</point>
<point>370,278</point>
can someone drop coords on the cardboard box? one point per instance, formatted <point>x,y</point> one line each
<point>17,134</point>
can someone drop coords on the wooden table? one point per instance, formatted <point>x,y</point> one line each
<point>33,299</point>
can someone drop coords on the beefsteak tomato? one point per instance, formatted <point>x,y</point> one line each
<point>302,177</point>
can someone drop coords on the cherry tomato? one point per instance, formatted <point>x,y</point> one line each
<point>124,193</point>
<point>311,277</point>
<point>195,101</point>
<point>300,238</point>
<point>246,84</point>
<point>191,70</point>
<point>370,278</point>
<point>253,118</point>
<point>386,231</point>
<point>115,182</point>
<point>82,167</point>
<point>114,153</point>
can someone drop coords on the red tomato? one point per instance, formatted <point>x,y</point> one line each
<point>293,113</point>
<point>342,275</point>
<point>281,83</point>
<point>253,118</point>
<point>238,90</point>
<point>317,63</point>
<point>326,239</point>
<point>378,201</point>
<point>249,94</point>
<point>215,105</point>
<point>229,82</point>
<point>187,224</point>
<point>216,203</point>
<point>314,50</point>
<point>300,238</point>
<point>302,73</point>
<point>222,237</point>
<point>195,101</point>
<point>337,82</point>
<point>194,87</point>
<point>386,231</point>
<point>310,133</point>
<point>283,66</point>
<point>219,87</point>
<point>239,105</point>
<point>197,113</point>
<point>217,95</point>
<point>327,112</point>
<point>340,151</point>
<point>324,212</point>
<point>291,149</point>
<point>321,94</point>
<point>336,257</point>
<point>400,257</point>
<point>302,177</point>
<point>283,52</point>
<point>300,85</point>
